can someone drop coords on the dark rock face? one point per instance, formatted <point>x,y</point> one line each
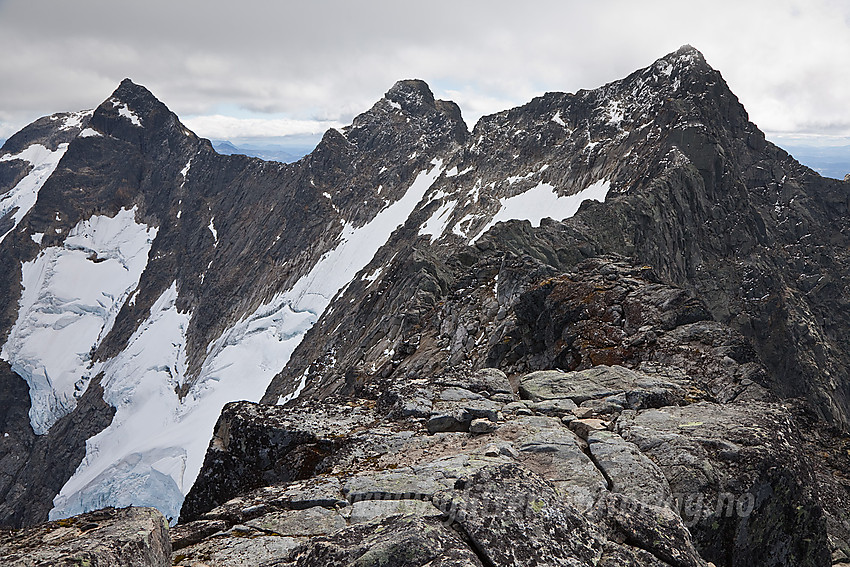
<point>135,537</point>
<point>36,466</point>
<point>255,446</point>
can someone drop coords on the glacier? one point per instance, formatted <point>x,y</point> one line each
<point>139,458</point>
<point>70,299</point>
<point>154,448</point>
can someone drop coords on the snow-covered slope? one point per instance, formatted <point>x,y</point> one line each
<point>71,296</point>
<point>154,448</point>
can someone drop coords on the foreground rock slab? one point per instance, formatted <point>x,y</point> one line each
<point>394,542</point>
<point>131,537</point>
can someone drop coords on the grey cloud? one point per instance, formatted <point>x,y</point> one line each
<point>331,59</point>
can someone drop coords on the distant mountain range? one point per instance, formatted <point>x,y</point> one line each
<point>268,152</point>
<point>829,161</point>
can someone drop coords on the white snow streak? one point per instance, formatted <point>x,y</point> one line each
<point>124,110</point>
<point>558,120</point>
<point>374,275</point>
<point>615,113</point>
<point>436,225</point>
<point>453,172</point>
<point>75,119</point>
<point>185,171</point>
<point>459,228</point>
<point>25,193</point>
<point>213,231</point>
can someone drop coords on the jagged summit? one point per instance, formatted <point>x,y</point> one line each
<point>134,101</point>
<point>133,113</point>
<point>131,92</point>
<point>127,84</point>
<point>408,108</point>
<point>411,93</point>
<point>687,52</point>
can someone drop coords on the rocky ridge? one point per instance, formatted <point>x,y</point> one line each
<point>684,438</point>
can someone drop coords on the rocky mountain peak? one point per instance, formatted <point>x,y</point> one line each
<point>133,114</point>
<point>684,65</point>
<point>688,54</point>
<point>135,95</point>
<point>48,131</point>
<point>411,94</point>
<point>409,106</point>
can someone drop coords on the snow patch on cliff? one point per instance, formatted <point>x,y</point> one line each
<point>25,193</point>
<point>543,202</point>
<point>437,223</point>
<point>125,112</point>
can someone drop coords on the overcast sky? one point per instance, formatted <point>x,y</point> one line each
<point>236,69</point>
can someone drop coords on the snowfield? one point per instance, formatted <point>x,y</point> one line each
<point>71,296</point>
<point>543,202</point>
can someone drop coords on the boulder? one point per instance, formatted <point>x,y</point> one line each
<point>555,453</point>
<point>370,510</point>
<point>396,541</point>
<point>599,382</point>
<point>657,530</point>
<point>308,522</point>
<point>135,537</point>
<point>490,380</point>
<point>628,470</point>
<point>736,469</point>
<point>238,548</point>
<point>514,518</point>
